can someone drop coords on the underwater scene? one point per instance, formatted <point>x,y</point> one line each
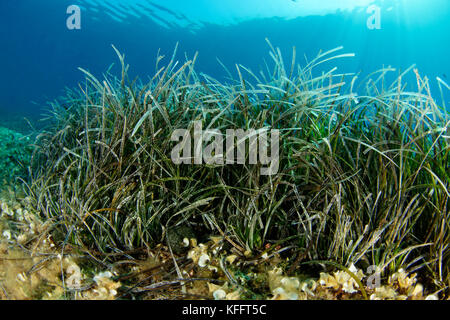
<point>225,150</point>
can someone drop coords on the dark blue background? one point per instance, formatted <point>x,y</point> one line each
<point>39,56</point>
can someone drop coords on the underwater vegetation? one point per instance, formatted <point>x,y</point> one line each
<point>363,180</point>
<point>15,156</point>
<point>33,267</point>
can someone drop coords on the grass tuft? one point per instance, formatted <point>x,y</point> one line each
<point>362,179</point>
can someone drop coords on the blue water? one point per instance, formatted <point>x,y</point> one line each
<point>40,56</point>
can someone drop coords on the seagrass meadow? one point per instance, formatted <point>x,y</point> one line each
<point>363,181</point>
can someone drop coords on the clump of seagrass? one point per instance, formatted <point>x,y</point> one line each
<point>362,179</point>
